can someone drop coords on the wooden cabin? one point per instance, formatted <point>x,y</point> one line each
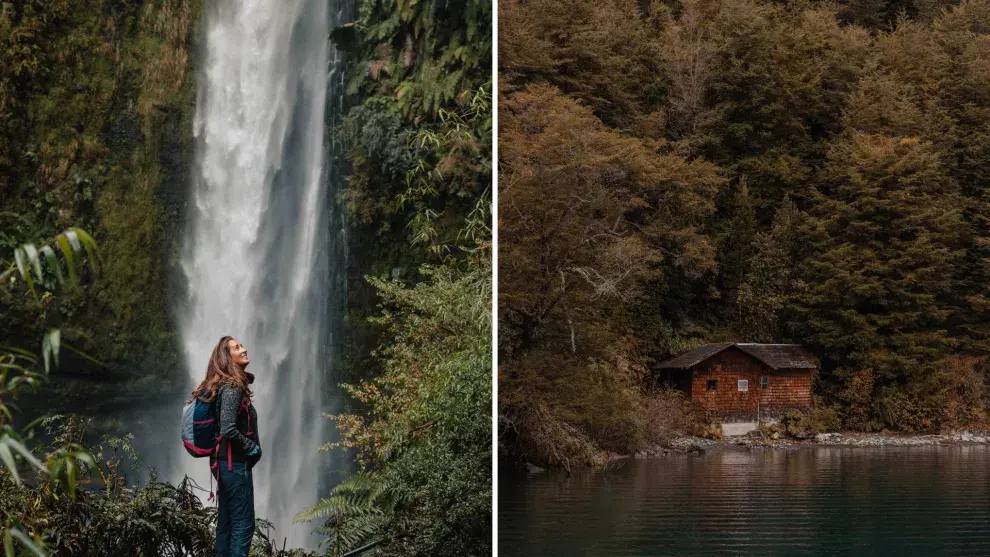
<point>743,382</point>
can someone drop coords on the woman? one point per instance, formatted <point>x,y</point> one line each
<point>239,450</point>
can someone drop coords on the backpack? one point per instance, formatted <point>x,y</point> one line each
<point>200,427</point>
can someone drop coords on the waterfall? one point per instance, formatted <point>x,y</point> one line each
<point>263,254</point>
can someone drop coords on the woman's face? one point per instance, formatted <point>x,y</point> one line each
<point>238,353</point>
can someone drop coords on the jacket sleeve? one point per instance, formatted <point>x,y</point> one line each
<point>230,403</point>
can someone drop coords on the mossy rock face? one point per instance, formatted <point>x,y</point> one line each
<point>100,137</point>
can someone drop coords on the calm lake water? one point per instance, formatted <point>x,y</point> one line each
<point>896,501</point>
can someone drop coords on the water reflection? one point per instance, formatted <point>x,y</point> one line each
<point>823,501</point>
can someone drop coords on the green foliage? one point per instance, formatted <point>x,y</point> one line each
<point>112,515</point>
<point>418,139</point>
<point>31,263</point>
<point>737,246</point>
<point>417,135</point>
<point>425,442</point>
<point>433,175</point>
<point>355,511</point>
<point>421,72</point>
<point>19,371</point>
<point>805,424</point>
<point>93,97</point>
<point>779,82</point>
<point>884,14</point>
<point>769,285</point>
<point>421,54</point>
<point>890,228</point>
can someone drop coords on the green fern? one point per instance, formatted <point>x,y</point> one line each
<point>356,511</point>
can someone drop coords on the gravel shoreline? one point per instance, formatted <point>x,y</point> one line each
<point>755,442</point>
<point>698,445</point>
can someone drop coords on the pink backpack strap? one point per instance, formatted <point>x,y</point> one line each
<point>246,408</point>
<point>216,465</point>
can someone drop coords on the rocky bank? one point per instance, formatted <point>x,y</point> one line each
<point>757,441</point>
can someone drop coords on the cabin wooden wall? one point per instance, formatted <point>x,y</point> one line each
<point>785,390</point>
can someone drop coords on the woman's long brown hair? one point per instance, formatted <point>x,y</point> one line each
<point>221,368</point>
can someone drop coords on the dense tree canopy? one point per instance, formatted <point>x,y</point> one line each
<point>686,171</point>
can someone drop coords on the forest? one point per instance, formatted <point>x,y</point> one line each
<point>679,172</point>
<point>96,104</point>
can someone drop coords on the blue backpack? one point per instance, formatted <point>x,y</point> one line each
<point>200,427</point>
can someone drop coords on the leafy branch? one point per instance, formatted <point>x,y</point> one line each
<point>20,369</point>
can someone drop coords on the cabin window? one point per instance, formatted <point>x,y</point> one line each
<point>764,382</point>
<point>712,385</point>
<point>743,384</point>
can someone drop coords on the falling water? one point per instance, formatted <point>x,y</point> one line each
<point>262,257</point>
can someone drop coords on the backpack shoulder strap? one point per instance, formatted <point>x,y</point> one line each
<point>216,400</point>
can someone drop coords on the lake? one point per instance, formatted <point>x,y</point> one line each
<point>896,501</point>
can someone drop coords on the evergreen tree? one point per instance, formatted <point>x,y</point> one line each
<point>604,53</point>
<point>768,285</point>
<point>876,286</point>
<point>964,36</point>
<point>738,242</point>
<point>781,79</point>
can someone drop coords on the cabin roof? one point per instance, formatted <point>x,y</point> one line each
<point>776,356</point>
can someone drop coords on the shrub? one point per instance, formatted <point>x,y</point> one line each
<point>424,442</point>
<point>670,413</point>
<point>111,516</point>
<point>805,424</point>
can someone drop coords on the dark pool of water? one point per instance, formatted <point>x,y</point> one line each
<point>893,501</point>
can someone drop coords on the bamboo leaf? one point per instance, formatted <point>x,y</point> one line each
<point>19,368</point>
<point>32,254</point>
<point>73,238</point>
<point>20,352</point>
<point>70,473</point>
<point>20,257</point>
<point>30,425</point>
<point>28,542</point>
<point>14,383</point>
<point>85,457</point>
<point>69,255</point>
<point>8,544</point>
<point>20,448</point>
<point>50,345</point>
<point>55,467</point>
<point>90,246</point>
<point>8,459</point>
<point>49,254</point>
<point>83,355</point>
